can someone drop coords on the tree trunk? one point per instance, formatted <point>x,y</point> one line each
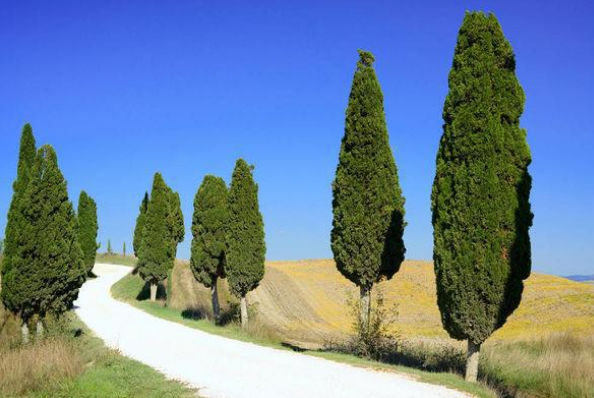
<point>214,297</point>
<point>154,291</point>
<point>244,312</point>
<point>472,361</point>
<point>25,332</point>
<point>39,330</point>
<point>365,308</point>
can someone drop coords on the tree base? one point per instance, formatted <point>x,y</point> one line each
<point>472,361</point>
<point>244,313</point>
<point>153,289</point>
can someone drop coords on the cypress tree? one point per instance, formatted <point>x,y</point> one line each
<point>246,248</point>
<point>209,227</point>
<point>27,152</point>
<point>87,229</point>
<point>47,263</point>
<point>175,221</point>
<point>367,201</point>
<point>109,247</point>
<point>139,228</point>
<point>480,199</point>
<point>124,249</point>
<point>156,251</point>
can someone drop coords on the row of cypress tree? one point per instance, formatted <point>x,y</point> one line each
<point>49,251</point>
<point>227,231</point>
<point>480,198</point>
<point>480,205</point>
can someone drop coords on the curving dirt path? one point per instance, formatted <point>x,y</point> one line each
<point>225,368</point>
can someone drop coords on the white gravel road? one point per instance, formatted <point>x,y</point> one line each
<point>225,368</point>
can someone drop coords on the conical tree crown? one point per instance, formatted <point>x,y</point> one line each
<point>87,229</point>
<point>480,199</point>
<point>367,202</point>
<point>209,228</point>
<point>246,249</point>
<point>155,253</point>
<point>175,220</point>
<point>48,268</point>
<point>27,152</point>
<point>139,228</point>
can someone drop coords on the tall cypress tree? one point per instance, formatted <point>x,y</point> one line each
<point>157,253</point>
<point>27,152</point>
<point>368,204</point>
<point>87,229</point>
<point>209,227</point>
<point>139,228</point>
<point>47,265</point>
<point>175,221</point>
<point>246,249</point>
<point>480,199</point>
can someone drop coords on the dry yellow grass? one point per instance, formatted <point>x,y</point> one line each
<point>38,365</point>
<point>560,365</point>
<point>306,301</point>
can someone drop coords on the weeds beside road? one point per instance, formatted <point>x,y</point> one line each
<point>71,362</point>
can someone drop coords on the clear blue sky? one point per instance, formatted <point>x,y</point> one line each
<point>126,88</point>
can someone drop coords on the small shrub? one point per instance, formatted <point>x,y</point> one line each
<point>431,356</point>
<point>375,342</point>
<point>231,314</point>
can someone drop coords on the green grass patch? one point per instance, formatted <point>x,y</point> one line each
<point>129,288</point>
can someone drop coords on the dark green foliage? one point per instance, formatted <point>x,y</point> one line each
<point>246,248</point>
<point>27,152</point>
<point>161,232</point>
<point>175,220</point>
<point>139,229</point>
<point>87,229</point>
<point>109,247</point>
<point>124,249</point>
<point>209,226</point>
<point>47,263</point>
<point>480,200</point>
<point>368,205</point>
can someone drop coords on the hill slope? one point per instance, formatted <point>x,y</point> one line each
<point>307,301</point>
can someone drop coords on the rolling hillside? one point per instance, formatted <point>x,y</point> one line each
<point>306,300</point>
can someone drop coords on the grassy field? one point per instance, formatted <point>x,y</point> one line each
<point>305,302</point>
<point>545,349</point>
<point>550,305</point>
<point>105,258</point>
<point>71,362</point>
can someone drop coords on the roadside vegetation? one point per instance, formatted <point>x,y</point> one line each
<point>70,362</point>
<point>132,289</point>
<point>557,362</point>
